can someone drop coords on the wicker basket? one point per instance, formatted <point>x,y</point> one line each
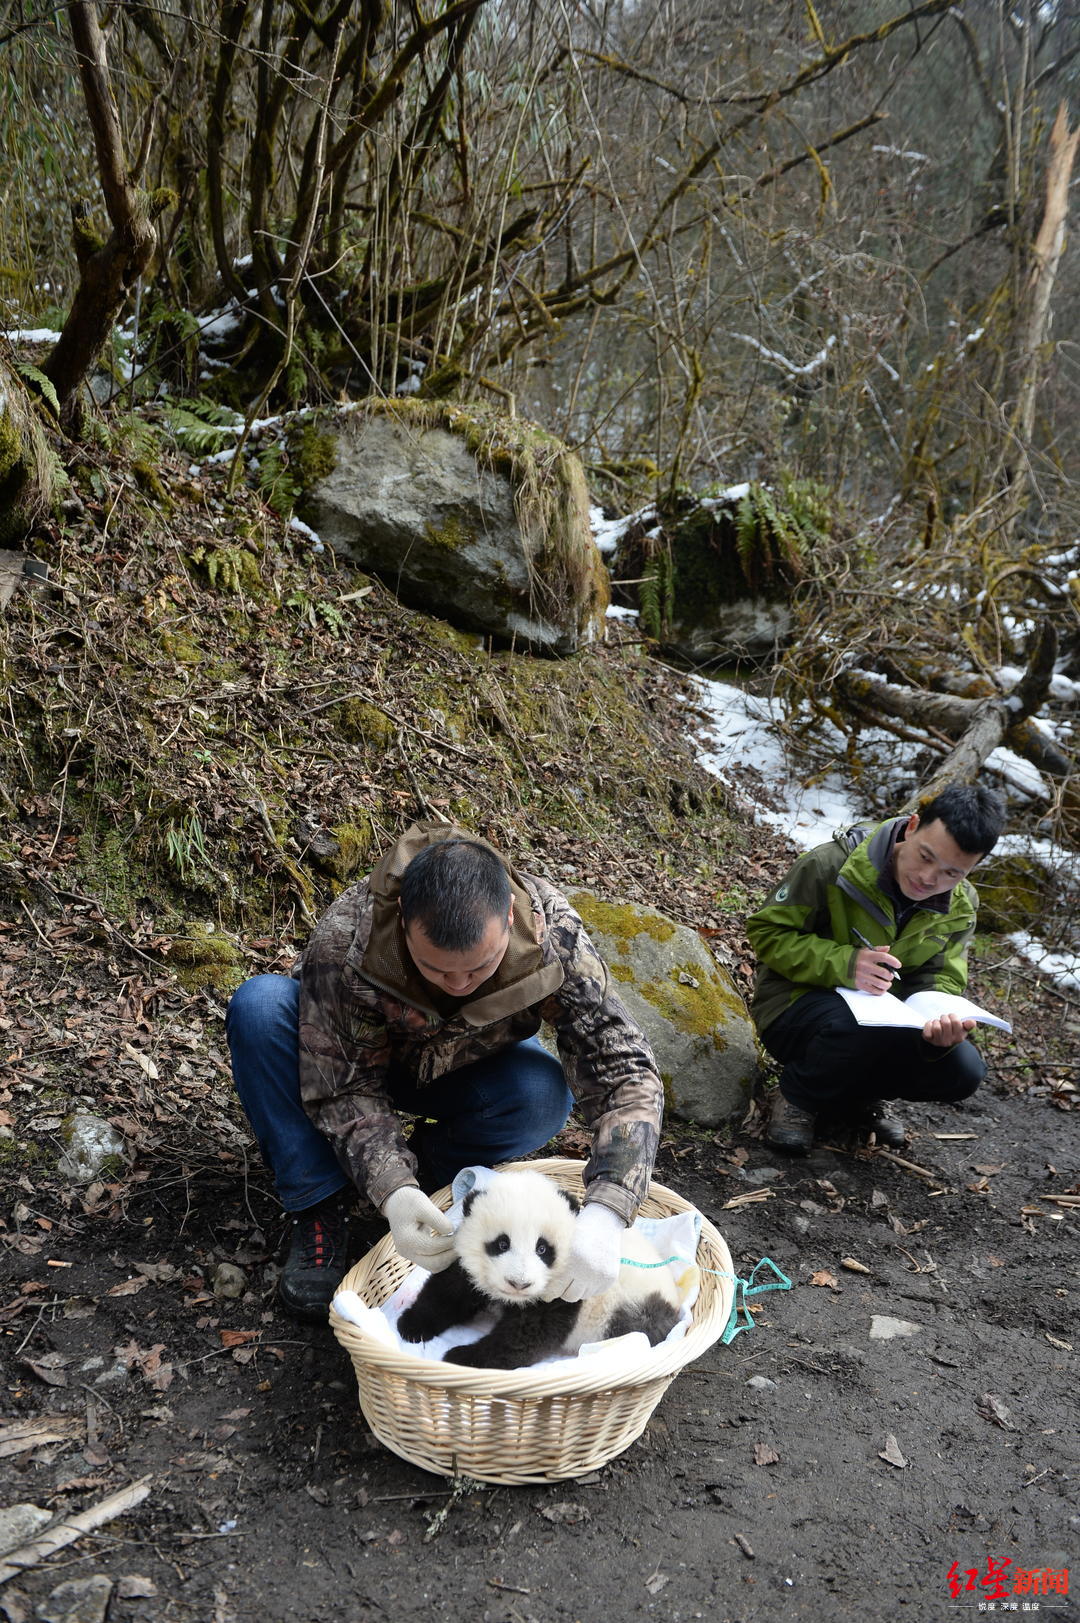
<point>527,1425</point>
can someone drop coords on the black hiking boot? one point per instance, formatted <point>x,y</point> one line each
<point>790,1128</point>
<point>886,1128</point>
<point>318,1258</point>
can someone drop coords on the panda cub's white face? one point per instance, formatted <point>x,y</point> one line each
<point>515,1238</point>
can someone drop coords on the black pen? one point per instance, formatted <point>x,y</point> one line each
<point>895,973</point>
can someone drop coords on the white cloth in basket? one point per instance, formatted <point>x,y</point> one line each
<point>674,1237</point>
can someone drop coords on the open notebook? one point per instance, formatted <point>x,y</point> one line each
<point>870,1009</point>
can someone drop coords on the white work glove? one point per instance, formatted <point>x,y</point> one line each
<point>421,1232</point>
<point>595,1249</point>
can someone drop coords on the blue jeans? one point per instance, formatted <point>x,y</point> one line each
<point>496,1109</point>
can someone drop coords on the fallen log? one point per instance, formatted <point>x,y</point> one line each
<point>977,725</point>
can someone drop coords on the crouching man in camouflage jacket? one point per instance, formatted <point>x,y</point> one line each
<point>420,993</point>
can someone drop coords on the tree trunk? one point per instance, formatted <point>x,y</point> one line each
<point>107,270</point>
<point>1035,323</point>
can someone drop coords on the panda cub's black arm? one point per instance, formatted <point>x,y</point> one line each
<point>445,1299</point>
<point>523,1335</point>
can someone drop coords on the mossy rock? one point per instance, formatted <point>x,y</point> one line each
<point>30,474</point>
<point>716,576</point>
<point>685,1002</point>
<point>469,514</point>
<point>340,852</point>
<point>203,957</point>
<point>360,723</point>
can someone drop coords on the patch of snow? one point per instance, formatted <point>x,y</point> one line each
<point>220,323</point>
<point>608,532</point>
<point>1063,687</point>
<point>902,152</point>
<point>32,335</point>
<point>724,498</point>
<point>1062,967</point>
<point>298,525</point>
<point>793,371</point>
<point>1019,774</point>
<point>615,611</point>
<point>742,731</point>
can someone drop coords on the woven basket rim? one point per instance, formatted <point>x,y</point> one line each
<point>656,1363</point>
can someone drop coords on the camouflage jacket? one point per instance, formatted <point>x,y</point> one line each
<point>367,1014</point>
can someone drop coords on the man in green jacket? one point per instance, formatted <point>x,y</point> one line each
<point>887,909</point>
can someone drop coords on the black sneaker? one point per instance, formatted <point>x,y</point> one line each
<point>790,1128</point>
<point>318,1258</point>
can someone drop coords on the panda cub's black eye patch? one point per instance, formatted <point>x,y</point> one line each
<point>545,1251</point>
<point>499,1246</point>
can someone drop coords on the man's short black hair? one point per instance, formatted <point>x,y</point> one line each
<point>973,815</point>
<point>453,889</point>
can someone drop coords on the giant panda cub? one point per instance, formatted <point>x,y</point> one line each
<point>512,1249</point>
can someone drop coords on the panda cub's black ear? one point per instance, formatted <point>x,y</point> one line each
<point>468,1202</point>
<point>571,1200</point>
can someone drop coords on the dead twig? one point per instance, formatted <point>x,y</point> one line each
<point>909,1166</point>
<point>70,1528</point>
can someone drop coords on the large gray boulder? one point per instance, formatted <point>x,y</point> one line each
<point>477,518</point>
<point>685,1002</point>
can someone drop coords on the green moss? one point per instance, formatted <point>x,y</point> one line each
<point>184,649</point>
<point>203,957</point>
<point>698,1004</point>
<point>30,473</point>
<point>361,723</point>
<point>312,452</point>
<point>355,845</point>
<point>231,569</point>
<point>452,535</point>
<point>105,857</point>
<point>1011,891</point>
<point>16,1153</point>
<point>621,921</point>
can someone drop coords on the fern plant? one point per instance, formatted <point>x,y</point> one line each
<point>775,533</point>
<point>278,485</point>
<point>227,567</point>
<point>201,427</point>
<point>656,593</point>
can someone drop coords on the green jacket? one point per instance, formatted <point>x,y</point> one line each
<point>805,935</point>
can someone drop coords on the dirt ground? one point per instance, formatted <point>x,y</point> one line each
<point>865,1478</point>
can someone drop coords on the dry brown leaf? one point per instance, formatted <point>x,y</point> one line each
<point>566,1513</point>
<point>822,1276</point>
<point>48,1368</point>
<point>891,1453</point>
<point>143,1061</point>
<point>764,1455</point>
<point>128,1287</point>
<point>237,1338</point>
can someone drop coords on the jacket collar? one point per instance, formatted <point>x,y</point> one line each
<point>530,970</point>
<point>876,852</point>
